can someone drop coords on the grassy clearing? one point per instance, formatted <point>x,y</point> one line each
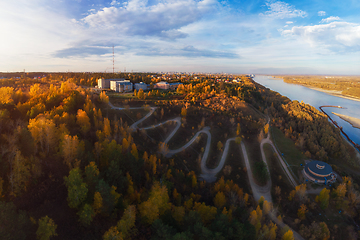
<point>277,174</point>
<point>130,116</point>
<point>238,173</point>
<point>217,134</point>
<point>160,133</point>
<point>253,151</point>
<point>129,95</point>
<point>190,158</point>
<point>291,154</point>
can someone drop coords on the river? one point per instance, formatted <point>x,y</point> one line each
<point>317,99</point>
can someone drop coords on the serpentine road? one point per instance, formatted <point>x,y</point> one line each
<point>209,174</point>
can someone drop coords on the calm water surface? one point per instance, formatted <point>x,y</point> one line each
<point>317,99</point>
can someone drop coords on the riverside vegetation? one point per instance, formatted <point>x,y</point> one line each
<point>344,85</point>
<point>71,168</point>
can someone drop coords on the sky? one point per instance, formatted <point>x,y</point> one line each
<point>259,36</point>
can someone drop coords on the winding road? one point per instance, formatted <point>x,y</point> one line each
<point>209,174</point>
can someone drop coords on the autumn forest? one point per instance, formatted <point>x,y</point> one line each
<point>72,167</point>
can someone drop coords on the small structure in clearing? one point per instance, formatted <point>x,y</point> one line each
<point>319,172</point>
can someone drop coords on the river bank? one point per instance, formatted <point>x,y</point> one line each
<point>335,93</point>
<point>332,92</point>
<point>355,122</point>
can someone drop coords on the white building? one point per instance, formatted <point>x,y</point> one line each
<point>105,83</point>
<point>121,86</point>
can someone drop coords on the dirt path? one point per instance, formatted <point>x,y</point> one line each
<point>283,164</point>
<point>209,174</point>
<point>257,190</point>
<point>265,191</point>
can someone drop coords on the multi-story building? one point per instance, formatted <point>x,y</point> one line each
<point>121,86</point>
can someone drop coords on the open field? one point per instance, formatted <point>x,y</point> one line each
<point>278,176</point>
<point>254,154</point>
<point>287,148</point>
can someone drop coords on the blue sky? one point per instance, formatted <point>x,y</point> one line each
<point>260,36</point>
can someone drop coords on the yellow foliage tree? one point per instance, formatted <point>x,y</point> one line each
<point>183,112</point>
<point>219,200</point>
<point>340,191</point>
<point>267,207</point>
<point>107,128</point>
<point>35,90</point>
<point>156,205</point>
<point>125,145</point>
<point>189,204</point>
<point>6,94</point>
<point>292,195</point>
<point>323,198</point>
<point>104,98</point>
<point>219,146</point>
<point>272,233</point>
<point>289,235</point>
<point>134,151</point>
<point>178,214</point>
<point>141,94</point>
<point>83,121</point>
<point>194,181</point>
<point>302,211</point>
<point>98,202</point>
<point>238,130</point>
<point>44,133</point>
<point>124,226</point>
<point>130,190</point>
<point>46,228</point>
<point>266,128</point>
<point>207,213</point>
<point>20,174</point>
<point>69,151</point>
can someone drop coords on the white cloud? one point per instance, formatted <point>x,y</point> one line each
<point>282,10</point>
<point>321,13</point>
<point>334,36</point>
<point>330,19</point>
<point>138,17</point>
<point>289,22</point>
<point>114,2</point>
